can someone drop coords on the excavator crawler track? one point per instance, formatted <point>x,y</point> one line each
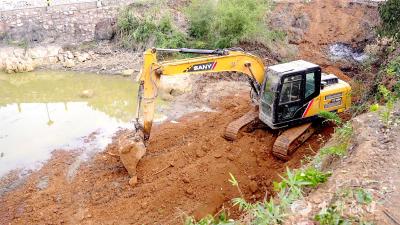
<point>291,139</point>
<point>233,128</point>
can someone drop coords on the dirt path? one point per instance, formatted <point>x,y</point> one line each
<point>185,172</point>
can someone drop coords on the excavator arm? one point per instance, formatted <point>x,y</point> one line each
<point>133,146</point>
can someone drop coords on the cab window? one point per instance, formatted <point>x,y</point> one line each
<point>291,89</point>
<point>310,84</point>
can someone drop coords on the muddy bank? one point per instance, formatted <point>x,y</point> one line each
<point>185,172</point>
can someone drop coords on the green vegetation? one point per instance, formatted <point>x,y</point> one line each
<point>393,67</point>
<point>222,219</point>
<point>212,24</point>
<point>341,137</point>
<point>331,216</point>
<point>290,189</point>
<point>225,23</point>
<point>389,98</point>
<point>346,201</point>
<point>140,32</point>
<point>389,13</point>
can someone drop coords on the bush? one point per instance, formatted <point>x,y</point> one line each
<point>389,13</point>
<point>225,23</point>
<point>201,15</point>
<point>393,67</point>
<point>142,32</point>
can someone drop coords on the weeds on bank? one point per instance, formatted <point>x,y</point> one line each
<point>347,208</point>
<point>341,137</point>
<point>384,112</point>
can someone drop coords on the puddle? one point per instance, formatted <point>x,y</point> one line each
<point>44,111</point>
<point>345,51</point>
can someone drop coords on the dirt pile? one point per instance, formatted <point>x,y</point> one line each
<point>185,172</point>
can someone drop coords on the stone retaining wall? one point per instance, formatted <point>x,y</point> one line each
<point>63,22</point>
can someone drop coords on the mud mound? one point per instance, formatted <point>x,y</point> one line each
<point>185,172</point>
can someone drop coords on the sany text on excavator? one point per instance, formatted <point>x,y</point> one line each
<point>286,96</point>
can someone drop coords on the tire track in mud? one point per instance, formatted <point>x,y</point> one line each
<point>185,172</point>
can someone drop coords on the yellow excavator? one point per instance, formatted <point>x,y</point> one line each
<point>286,96</point>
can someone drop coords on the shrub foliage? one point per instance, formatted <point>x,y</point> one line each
<point>389,13</point>
<point>211,24</point>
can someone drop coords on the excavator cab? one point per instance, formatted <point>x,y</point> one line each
<point>287,91</point>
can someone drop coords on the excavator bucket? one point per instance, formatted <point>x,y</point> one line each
<point>131,150</point>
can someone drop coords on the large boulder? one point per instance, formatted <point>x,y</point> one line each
<point>105,29</point>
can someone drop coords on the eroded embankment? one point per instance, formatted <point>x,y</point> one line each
<point>185,172</point>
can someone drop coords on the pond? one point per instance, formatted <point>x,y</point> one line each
<point>44,111</point>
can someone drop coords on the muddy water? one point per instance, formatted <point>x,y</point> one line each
<point>44,111</point>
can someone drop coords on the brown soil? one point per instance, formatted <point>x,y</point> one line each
<point>313,26</point>
<point>185,172</point>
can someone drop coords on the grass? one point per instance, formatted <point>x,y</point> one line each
<point>341,137</point>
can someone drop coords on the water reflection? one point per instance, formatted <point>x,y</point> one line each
<point>40,112</point>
